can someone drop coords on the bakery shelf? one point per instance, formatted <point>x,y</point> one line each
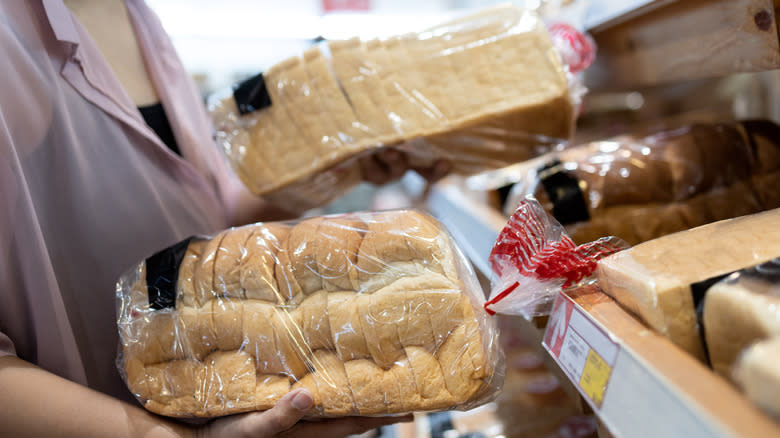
<point>653,389</point>
<point>643,43</point>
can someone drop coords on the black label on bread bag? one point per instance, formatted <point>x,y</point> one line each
<point>564,191</point>
<point>162,272</point>
<point>698,292</point>
<point>767,129</point>
<point>252,95</point>
<point>768,272</point>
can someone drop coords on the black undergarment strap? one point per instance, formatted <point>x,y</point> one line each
<point>155,117</point>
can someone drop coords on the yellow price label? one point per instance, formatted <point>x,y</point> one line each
<point>594,377</point>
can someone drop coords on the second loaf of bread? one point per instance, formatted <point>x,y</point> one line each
<point>374,313</point>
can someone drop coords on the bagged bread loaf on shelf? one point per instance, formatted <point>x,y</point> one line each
<point>757,373</point>
<point>483,91</point>
<point>663,280</point>
<point>740,310</point>
<point>374,313</point>
<point>643,188</point>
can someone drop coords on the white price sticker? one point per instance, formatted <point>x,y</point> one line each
<point>584,352</point>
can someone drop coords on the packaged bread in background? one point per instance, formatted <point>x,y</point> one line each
<point>741,309</point>
<point>757,374</point>
<point>374,313</point>
<point>662,280</point>
<point>482,91</point>
<point>740,316</point>
<point>639,189</point>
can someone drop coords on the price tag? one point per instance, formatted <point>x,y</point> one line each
<point>582,349</point>
<point>595,376</point>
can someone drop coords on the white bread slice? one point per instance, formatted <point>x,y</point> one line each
<point>230,382</point>
<point>257,274</point>
<point>366,380</point>
<point>296,270</point>
<point>260,337</point>
<point>344,130</point>
<point>405,115</point>
<point>429,379</point>
<point>345,326</point>
<point>315,322</point>
<point>333,385</point>
<point>185,286</point>
<point>737,313</point>
<point>758,375</point>
<point>270,388</point>
<point>362,86</point>
<point>228,322</point>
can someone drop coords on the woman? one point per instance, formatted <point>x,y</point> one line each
<point>106,156</point>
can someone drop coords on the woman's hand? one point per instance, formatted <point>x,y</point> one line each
<point>391,164</point>
<point>283,420</point>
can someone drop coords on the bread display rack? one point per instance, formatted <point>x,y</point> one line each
<point>649,387</point>
<point>646,386</point>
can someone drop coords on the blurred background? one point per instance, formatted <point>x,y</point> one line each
<point>221,42</point>
<point>224,42</point>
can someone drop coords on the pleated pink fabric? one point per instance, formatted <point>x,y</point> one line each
<point>86,187</point>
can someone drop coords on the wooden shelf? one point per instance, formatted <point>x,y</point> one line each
<point>654,389</point>
<point>668,41</point>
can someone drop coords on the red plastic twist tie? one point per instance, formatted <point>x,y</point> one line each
<point>535,244</point>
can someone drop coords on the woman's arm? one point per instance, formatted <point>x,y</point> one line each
<point>36,403</point>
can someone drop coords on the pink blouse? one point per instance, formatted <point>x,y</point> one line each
<point>86,187</point>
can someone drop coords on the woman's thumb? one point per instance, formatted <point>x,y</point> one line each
<point>287,411</point>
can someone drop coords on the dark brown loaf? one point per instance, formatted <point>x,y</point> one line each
<point>640,189</point>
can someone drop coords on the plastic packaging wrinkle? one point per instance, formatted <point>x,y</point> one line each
<point>640,189</point>
<point>482,91</point>
<point>374,313</point>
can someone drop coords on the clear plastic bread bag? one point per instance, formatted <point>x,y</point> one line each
<point>739,315</point>
<point>482,91</point>
<point>534,259</point>
<point>374,313</point>
<point>641,188</point>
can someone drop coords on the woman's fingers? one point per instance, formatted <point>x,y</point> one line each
<point>439,170</point>
<point>383,166</point>
<point>390,164</point>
